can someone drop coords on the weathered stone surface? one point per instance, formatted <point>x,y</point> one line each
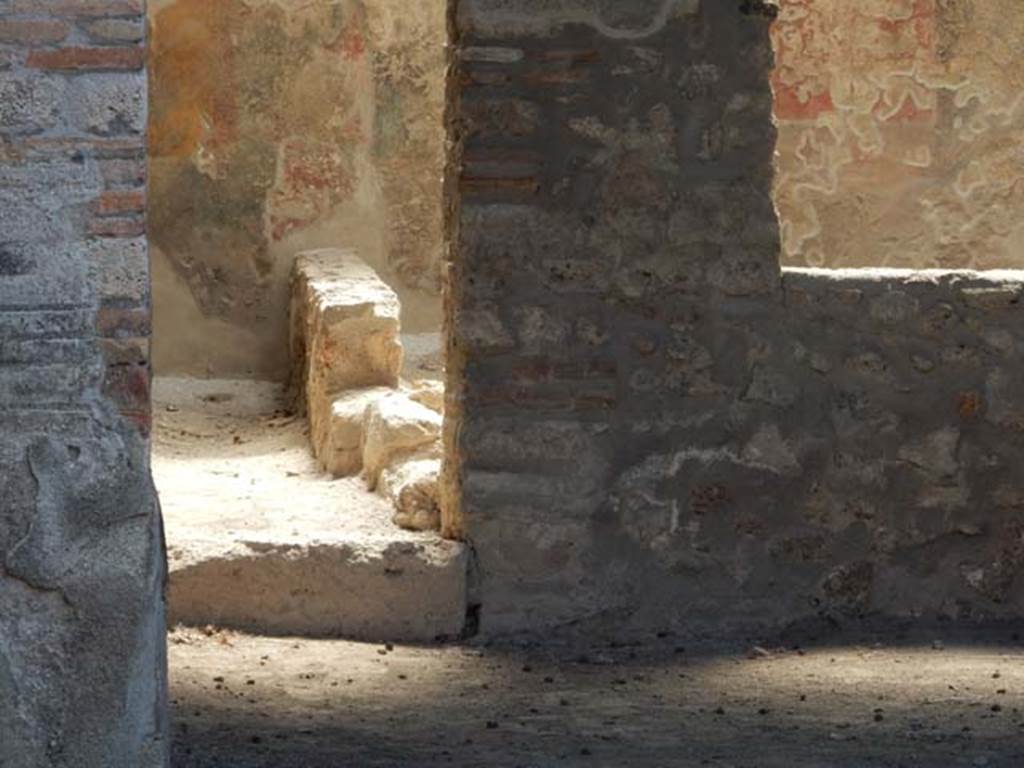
<point>400,591</point>
<point>277,128</point>
<point>338,435</point>
<point>345,328</point>
<point>412,486</point>
<point>649,419</point>
<point>82,631</point>
<point>428,393</point>
<point>396,427</point>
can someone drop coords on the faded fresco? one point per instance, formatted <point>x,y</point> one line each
<point>276,127</point>
<point>901,133</point>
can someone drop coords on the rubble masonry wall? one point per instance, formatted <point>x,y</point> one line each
<point>82,670</point>
<point>649,420</point>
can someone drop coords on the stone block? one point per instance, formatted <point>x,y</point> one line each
<point>30,103</point>
<point>412,486</point>
<point>337,430</point>
<point>404,590</point>
<point>110,104</point>
<point>429,393</point>
<point>397,426</point>
<point>345,326</point>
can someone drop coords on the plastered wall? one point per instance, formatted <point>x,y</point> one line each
<point>901,127</point>
<point>279,126</point>
<point>650,424</point>
<point>82,670</point>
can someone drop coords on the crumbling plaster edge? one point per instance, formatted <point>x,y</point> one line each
<point>995,277</point>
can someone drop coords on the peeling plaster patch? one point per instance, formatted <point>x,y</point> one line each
<point>900,133</point>
<point>279,127</point>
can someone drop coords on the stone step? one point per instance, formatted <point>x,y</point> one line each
<point>363,417</point>
<point>261,540</point>
<point>379,591</point>
<point>345,326</point>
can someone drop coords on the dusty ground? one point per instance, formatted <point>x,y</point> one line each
<point>231,463</point>
<point>244,702</point>
<point>935,700</point>
<point>259,539</point>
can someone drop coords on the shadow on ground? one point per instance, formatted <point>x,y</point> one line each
<point>932,699</point>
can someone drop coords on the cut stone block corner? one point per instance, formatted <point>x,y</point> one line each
<point>345,325</point>
<point>363,418</point>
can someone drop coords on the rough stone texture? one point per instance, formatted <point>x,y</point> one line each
<point>647,422</point>
<point>412,486</point>
<point>338,439</point>
<point>279,127</point>
<point>398,591</point>
<point>397,427</point>
<point>260,539</point>
<point>427,392</point>
<point>345,333</point>
<point>900,133</point>
<point>82,651</point>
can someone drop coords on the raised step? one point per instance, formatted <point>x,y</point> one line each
<point>345,326</point>
<point>364,419</point>
<point>260,540</point>
<point>398,591</point>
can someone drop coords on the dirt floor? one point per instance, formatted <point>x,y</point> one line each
<point>934,701</point>
<point>889,699</point>
<point>259,539</point>
<point>231,463</point>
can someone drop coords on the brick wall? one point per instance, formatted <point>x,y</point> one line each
<point>651,423</point>
<point>80,551</point>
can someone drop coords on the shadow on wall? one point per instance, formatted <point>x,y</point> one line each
<point>276,129</point>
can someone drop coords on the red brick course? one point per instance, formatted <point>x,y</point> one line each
<point>30,32</point>
<point>83,59</point>
<point>129,201</point>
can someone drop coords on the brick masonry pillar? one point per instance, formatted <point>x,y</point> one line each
<point>613,164</point>
<point>82,671</point>
<point>651,424</point>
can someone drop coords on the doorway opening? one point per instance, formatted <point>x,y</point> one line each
<point>296,162</point>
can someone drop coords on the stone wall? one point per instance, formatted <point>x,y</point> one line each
<point>901,124</point>
<point>277,127</point>
<point>649,422</point>
<point>82,672</point>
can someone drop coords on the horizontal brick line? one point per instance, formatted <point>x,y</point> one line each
<point>71,365</point>
<point>32,31</point>
<point>36,408</point>
<point>83,142</point>
<point>64,407</point>
<point>88,59</point>
<point>76,9</point>
<point>21,338</point>
<point>48,338</point>
<point>17,309</point>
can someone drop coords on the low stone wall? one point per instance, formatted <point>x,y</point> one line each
<point>82,671</point>
<point>649,421</point>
